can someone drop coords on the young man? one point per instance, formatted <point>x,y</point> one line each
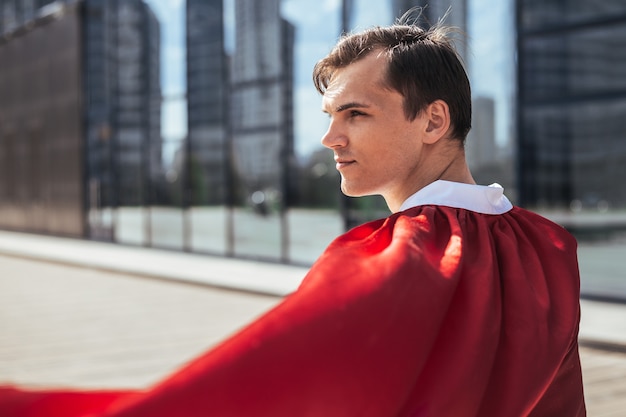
<point>458,304</point>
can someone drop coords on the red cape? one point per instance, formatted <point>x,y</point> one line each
<point>434,311</point>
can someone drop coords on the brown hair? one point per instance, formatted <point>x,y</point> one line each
<point>423,66</point>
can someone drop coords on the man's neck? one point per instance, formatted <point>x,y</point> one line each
<point>453,169</point>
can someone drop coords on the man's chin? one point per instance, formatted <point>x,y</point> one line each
<point>348,191</point>
<point>352,191</point>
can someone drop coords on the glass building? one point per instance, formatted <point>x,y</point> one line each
<point>572,101</point>
<point>205,171</point>
<point>572,128</point>
<point>122,115</point>
<point>194,125</point>
<point>199,124</point>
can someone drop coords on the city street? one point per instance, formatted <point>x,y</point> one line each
<point>165,176</point>
<point>64,325</point>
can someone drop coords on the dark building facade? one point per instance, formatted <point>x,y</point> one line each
<point>41,134</point>
<point>122,106</point>
<point>81,106</point>
<point>571,103</point>
<point>207,104</point>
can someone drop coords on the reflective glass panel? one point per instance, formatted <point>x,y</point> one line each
<point>572,130</point>
<point>207,170</point>
<point>261,125</point>
<point>313,218</point>
<point>548,14</point>
<point>165,157</point>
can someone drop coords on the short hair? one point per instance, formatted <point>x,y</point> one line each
<point>423,66</point>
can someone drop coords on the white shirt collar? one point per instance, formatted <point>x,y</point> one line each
<point>479,198</point>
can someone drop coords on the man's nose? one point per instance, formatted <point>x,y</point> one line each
<point>334,137</point>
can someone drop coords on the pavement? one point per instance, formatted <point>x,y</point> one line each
<point>603,324</point>
<point>63,325</point>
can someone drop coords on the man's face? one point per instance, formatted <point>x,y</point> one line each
<point>376,148</point>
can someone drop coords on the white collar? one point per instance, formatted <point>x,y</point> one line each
<point>479,198</point>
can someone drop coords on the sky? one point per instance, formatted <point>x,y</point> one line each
<point>317,28</point>
<point>491,61</point>
<point>171,16</point>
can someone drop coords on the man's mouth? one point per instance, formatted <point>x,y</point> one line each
<point>343,163</point>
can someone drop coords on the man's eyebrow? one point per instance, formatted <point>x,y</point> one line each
<point>347,106</point>
<point>351,105</point>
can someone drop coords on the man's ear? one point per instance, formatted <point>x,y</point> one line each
<point>437,115</point>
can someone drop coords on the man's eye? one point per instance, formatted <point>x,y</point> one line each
<point>354,113</point>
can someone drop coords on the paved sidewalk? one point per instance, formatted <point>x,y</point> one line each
<point>63,325</point>
<point>602,323</point>
<point>221,272</point>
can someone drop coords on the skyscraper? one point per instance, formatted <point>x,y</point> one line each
<point>262,95</point>
<point>207,103</point>
<point>122,86</point>
<point>572,102</point>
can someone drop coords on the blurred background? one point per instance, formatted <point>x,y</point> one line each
<point>194,125</point>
